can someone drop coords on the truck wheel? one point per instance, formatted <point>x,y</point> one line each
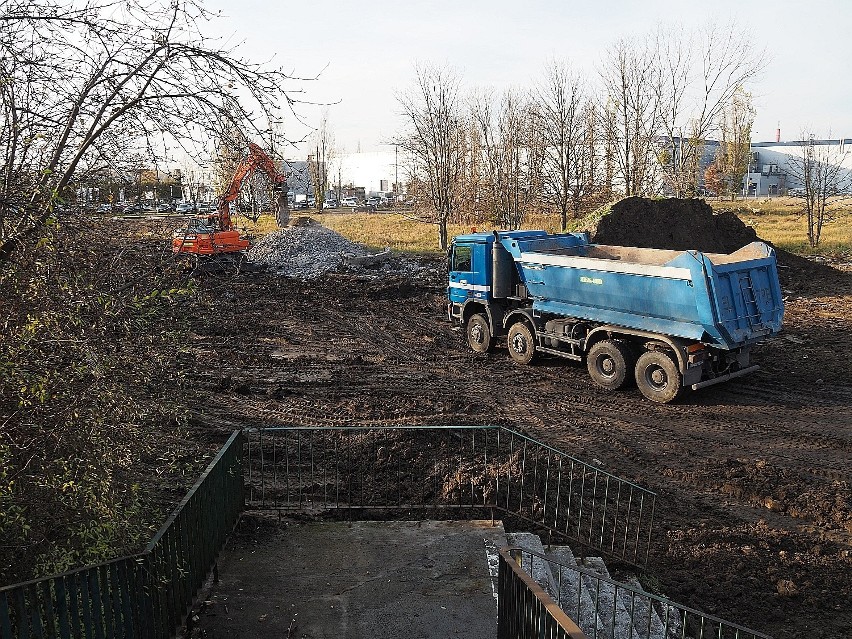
<point>609,364</point>
<point>521,343</point>
<point>658,377</point>
<point>479,333</point>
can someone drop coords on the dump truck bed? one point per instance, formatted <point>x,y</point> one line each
<point>727,300</point>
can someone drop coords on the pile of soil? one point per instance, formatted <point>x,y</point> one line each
<point>674,224</point>
<point>686,224</point>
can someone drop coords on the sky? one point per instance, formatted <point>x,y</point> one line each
<point>365,52</point>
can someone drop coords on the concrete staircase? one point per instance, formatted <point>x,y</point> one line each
<point>601,607</point>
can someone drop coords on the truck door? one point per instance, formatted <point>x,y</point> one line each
<point>469,272</point>
<point>461,272</point>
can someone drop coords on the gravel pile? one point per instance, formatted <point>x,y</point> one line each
<point>310,250</point>
<point>303,252</point>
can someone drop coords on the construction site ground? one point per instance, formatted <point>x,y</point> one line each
<point>754,514</point>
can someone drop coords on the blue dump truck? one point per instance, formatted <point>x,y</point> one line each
<point>669,320</point>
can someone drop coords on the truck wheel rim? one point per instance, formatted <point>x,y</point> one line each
<point>656,377</point>
<point>476,334</point>
<point>519,344</point>
<point>606,366</point>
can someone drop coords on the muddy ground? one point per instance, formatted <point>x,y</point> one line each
<point>754,519</point>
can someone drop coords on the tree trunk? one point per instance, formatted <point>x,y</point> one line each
<point>442,234</point>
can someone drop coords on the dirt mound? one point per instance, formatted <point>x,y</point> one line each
<point>672,224</point>
<point>684,224</point>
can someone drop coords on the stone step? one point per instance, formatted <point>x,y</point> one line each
<point>600,608</point>
<point>653,612</point>
<point>540,571</point>
<point>577,602</point>
<point>614,616</point>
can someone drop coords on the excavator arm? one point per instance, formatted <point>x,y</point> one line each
<point>256,159</point>
<point>215,234</point>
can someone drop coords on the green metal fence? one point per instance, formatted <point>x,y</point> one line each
<point>430,470</point>
<point>144,596</point>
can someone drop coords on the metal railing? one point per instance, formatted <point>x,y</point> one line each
<point>491,469</point>
<point>602,607</point>
<point>525,610</point>
<point>143,596</point>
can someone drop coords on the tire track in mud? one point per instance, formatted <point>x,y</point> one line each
<point>801,437</point>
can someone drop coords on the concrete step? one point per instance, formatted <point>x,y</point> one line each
<point>577,602</point>
<point>614,616</point>
<point>658,612</point>
<point>600,609</point>
<point>540,571</point>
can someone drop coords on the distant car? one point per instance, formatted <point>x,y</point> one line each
<point>349,201</point>
<point>185,207</point>
<point>131,209</point>
<point>796,192</point>
<point>329,204</point>
<point>373,201</point>
<point>105,208</point>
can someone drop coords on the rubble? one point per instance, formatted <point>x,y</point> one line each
<point>304,251</point>
<point>309,250</point>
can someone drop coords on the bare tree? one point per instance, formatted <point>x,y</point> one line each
<point>627,73</point>
<point>231,149</point>
<point>820,168</point>
<point>323,143</point>
<point>733,155</point>
<point>83,82</point>
<point>434,139</point>
<point>695,76</point>
<point>503,146</point>
<point>563,123</point>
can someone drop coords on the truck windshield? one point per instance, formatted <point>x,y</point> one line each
<point>461,258</point>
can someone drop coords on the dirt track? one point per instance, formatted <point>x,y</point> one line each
<point>755,481</point>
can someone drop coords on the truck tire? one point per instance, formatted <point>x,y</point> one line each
<point>609,363</point>
<point>478,332</point>
<point>521,343</point>
<point>658,377</point>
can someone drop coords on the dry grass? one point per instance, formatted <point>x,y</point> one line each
<point>783,222</point>
<point>777,220</point>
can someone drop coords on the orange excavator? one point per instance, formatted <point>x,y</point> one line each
<point>214,234</point>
